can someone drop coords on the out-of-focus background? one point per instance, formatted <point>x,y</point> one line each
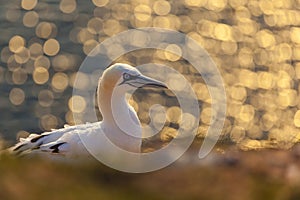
<point>254,43</point>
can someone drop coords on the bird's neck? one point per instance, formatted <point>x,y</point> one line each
<point>120,121</point>
<point>112,106</point>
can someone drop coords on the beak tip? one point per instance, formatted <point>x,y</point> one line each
<point>164,86</point>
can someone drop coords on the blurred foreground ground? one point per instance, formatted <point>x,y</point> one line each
<point>230,174</point>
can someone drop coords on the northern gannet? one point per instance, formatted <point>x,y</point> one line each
<point>115,82</point>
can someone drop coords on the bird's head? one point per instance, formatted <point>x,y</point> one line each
<point>124,77</point>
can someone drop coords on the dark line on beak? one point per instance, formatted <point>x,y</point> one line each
<point>154,85</point>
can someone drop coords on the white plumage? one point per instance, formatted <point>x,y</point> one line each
<point>120,122</point>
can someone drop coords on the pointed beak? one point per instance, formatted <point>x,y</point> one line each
<point>144,81</point>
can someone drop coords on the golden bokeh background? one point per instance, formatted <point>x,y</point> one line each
<point>254,43</point>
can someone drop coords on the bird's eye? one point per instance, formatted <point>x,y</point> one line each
<point>126,76</point>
